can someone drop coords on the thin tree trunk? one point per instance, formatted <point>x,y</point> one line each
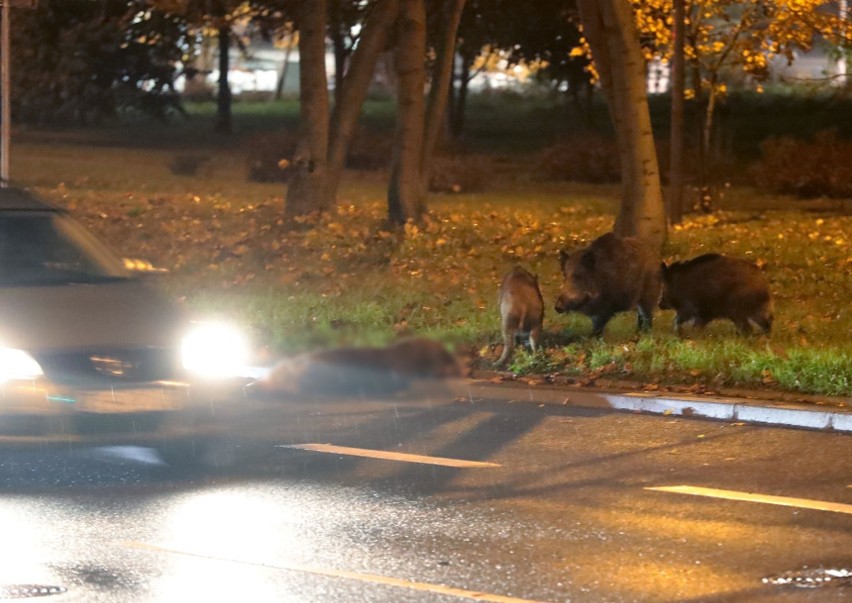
<point>612,35</point>
<point>338,43</point>
<point>405,199</point>
<point>677,143</point>
<point>696,123</point>
<point>707,136</point>
<point>223,97</point>
<point>439,90</point>
<point>457,125</point>
<point>282,78</point>
<point>306,189</point>
<point>353,90</point>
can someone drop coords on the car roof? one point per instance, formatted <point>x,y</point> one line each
<point>13,198</point>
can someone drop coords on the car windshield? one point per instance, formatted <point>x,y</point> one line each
<point>48,248</point>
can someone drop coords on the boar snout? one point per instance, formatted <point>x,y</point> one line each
<point>571,303</point>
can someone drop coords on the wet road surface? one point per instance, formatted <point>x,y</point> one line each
<point>431,499</point>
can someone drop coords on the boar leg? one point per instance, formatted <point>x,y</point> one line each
<point>598,324</point>
<point>508,344</point>
<point>743,325</point>
<point>535,338</point>
<point>645,319</point>
<point>763,321</point>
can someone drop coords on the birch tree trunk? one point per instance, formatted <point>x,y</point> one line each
<point>405,198</point>
<point>612,36</point>
<point>306,188</point>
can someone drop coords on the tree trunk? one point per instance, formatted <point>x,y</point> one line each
<point>285,67</point>
<point>709,112</point>
<point>223,97</point>
<point>306,188</point>
<point>405,199</point>
<point>677,142</point>
<point>614,41</point>
<point>338,43</point>
<point>457,125</point>
<point>439,89</point>
<point>353,90</point>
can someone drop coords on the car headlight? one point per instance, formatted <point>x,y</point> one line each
<point>17,365</point>
<point>214,351</point>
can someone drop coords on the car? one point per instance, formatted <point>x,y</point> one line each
<point>93,352</point>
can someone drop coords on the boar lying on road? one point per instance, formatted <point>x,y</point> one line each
<point>521,310</point>
<point>613,274</point>
<point>716,286</point>
<point>360,370</point>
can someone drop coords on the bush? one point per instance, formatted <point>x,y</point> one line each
<point>187,165</point>
<point>370,150</point>
<point>268,156</point>
<point>818,168</point>
<point>582,158</point>
<point>460,174</point>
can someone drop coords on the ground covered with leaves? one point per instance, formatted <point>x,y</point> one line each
<point>347,279</point>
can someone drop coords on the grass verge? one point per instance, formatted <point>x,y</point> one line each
<point>346,280</point>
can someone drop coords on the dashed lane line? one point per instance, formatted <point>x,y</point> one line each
<point>346,575</point>
<point>785,501</point>
<point>390,456</point>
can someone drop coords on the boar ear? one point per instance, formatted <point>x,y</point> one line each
<point>587,260</point>
<point>663,268</point>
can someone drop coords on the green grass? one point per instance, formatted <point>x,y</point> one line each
<point>346,281</point>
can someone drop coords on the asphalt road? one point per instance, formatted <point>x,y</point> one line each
<point>556,506</point>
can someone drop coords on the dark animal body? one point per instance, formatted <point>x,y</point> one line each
<point>613,274</point>
<point>361,370</point>
<point>715,286</point>
<point>521,310</point>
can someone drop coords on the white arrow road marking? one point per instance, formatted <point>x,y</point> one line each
<point>333,573</point>
<point>390,456</point>
<point>785,501</point>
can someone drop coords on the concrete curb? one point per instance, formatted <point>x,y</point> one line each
<point>727,409</point>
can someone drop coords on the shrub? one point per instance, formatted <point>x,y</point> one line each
<point>370,150</point>
<point>806,168</point>
<point>582,158</point>
<point>187,165</point>
<point>268,156</point>
<point>460,174</point>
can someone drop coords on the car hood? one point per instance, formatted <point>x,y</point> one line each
<point>119,314</point>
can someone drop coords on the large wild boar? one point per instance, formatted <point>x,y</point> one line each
<point>613,274</point>
<point>521,310</point>
<point>716,286</point>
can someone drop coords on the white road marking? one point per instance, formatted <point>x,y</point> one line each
<point>332,573</point>
<point>785,501</point>
<point>390,456</point>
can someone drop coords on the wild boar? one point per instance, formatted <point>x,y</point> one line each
<point>613,274</point>
<point>715,286</point>
<point>360,370</point>
<point>521,310</point>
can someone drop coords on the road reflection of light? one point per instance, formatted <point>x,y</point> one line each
<point>22,550</point>
<point>215,536</point>
<point>222,523</point>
